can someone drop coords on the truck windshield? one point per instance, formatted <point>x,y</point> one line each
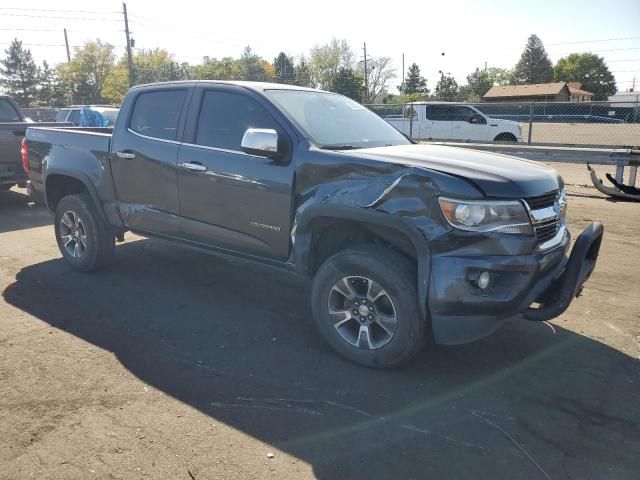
<point>333,121</point>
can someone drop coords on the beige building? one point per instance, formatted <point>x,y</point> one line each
<point>539,92</point>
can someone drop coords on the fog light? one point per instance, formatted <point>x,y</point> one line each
<point>483,280</point>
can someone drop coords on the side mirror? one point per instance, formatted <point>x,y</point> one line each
<point>477,119</point>
<point>260,141</point>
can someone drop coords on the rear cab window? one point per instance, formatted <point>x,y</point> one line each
<point>157,114</point>
<point>8,113</point>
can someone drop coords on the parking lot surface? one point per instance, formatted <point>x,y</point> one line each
<point>175,364</point>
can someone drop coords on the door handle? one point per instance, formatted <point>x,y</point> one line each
<point>126,155</point>
<point>196,167</point>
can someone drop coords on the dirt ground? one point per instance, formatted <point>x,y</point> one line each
<point>173,364</point>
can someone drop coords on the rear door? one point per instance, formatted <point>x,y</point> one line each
<point>144,155</point>
<point>438,125</point>
<point>236,201</point>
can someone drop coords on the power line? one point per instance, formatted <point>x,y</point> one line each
<point>57,10</point>
<point>57,17</point>
<point>600,51</point>
<point>594,41</point>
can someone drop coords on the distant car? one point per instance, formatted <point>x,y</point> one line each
<point>453,121</point>
<point>89,115</point>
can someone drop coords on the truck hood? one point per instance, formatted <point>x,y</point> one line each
<point>493,174</point>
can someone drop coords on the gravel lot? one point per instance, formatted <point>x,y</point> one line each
<point>173,364</point>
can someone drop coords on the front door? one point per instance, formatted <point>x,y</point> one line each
<point>230,199</point>
<point>143,161</point>
<point>468,125</point>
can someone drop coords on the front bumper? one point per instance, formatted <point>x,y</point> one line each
<point>461,312</point>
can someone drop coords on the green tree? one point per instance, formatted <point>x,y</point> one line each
<point>255,68</point>
<point>348,82</point>
<point>446,88</point>
<point>285,71</point>
<point>588,69</point>
<point>20,74</point>
<point>380,71</point>
<point>478,83</point>
<point>88,71</point>
<point>414,83</point>
<point>302,73</point>
<point>226,68</point>
<point>534,65</point>
<point>50,89</point>
<point>325,61</point>
<point>155,66</point>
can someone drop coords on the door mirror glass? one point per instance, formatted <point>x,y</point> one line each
<point>260,141</point>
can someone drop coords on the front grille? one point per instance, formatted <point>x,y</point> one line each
<point>547,230</point>
<point>542,201</point>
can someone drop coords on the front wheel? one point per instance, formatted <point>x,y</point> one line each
<point>365,305</point>
<point>84,239</point>
<point>505,138</point>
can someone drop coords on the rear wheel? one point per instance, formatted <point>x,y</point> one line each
<point>365,305</point>
<point>84,239</point>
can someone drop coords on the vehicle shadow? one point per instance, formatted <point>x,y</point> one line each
<point>16,214</point>
<point>236,341</point>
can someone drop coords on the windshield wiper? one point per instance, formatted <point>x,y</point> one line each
<point>338,147</point>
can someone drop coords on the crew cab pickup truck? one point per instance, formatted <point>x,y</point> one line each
<point>13,125</point>
<point>404,242</point>
<point>453,121</point>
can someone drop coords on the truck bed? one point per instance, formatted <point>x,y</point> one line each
<point>11,134</point>
<point>71,146</point>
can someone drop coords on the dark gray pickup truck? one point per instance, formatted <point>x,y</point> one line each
<point>404,242</point>
<point>13,125</point>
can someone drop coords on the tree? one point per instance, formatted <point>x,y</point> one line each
<point>255,68</point>
<point>534,65</point>
<point>226,68</point>
<point>350,83</point>
<point>50,91</point>
<point>446,88</point>
<point>155,66</point>
<point>588,69</point>
<point>285,71</point>
<point>380,71</point>
<point>414,83</point>
<point>88,71</point>
<point>20,74</point>
<point>326,60</point>
<point>302,73</point>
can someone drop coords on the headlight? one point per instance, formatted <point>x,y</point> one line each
<point>486,216</point>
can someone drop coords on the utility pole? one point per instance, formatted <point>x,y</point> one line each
<point>66,42</point>
<point>366,77</point>
<point>485,66</point>
<point>126,31</point>
<point>403,71</point>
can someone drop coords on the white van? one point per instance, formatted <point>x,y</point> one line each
<point>453,121</point>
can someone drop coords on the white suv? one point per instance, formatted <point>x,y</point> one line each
<point>453,121</point>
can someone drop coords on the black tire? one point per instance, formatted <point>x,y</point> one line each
<point>99,237</point>
<point>395,274</point>
<point>505,137</point>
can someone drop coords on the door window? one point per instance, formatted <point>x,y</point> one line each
<point>225,117</point>
<point>156,114</point>
<point>7,112</point>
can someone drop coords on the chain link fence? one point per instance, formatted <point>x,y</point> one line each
<point>577,125</point>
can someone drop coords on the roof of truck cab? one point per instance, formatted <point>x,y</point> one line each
<point>257,86</point>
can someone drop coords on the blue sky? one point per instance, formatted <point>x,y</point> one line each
<point>470,33</point>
